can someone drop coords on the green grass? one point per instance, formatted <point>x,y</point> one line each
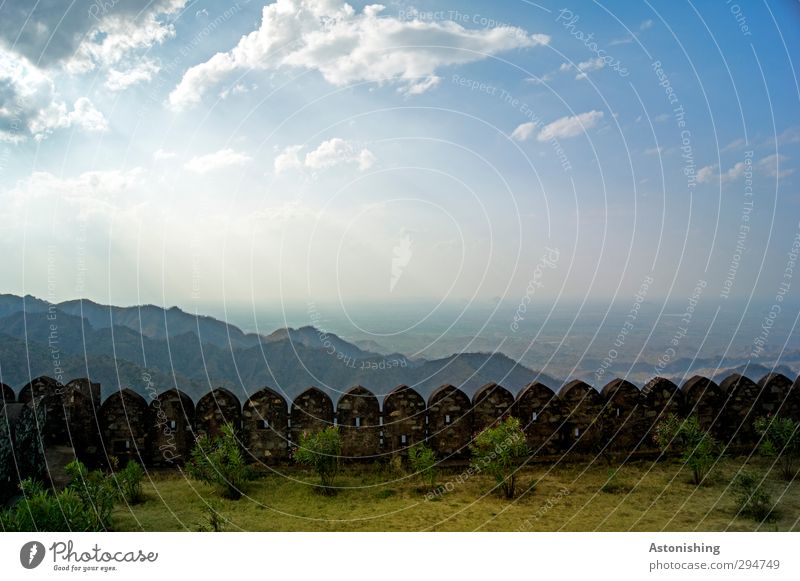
<point>646,496</point>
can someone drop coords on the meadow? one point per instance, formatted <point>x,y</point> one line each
<point>589,496</point>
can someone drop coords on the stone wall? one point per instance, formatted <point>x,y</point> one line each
<point>620,418</point>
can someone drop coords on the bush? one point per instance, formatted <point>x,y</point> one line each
<point>85,505</point>
<point>213,521</point>
<point>697,447</point>
<point>422,461</point>
<point>613,484</point>
<point>752,499</point>
<point>500,451</point>
<point>97,492</point>
<point>321,450</point>
<point>220,462</point>
<point>129,481</point>
<point>21,451</point>
<point>780,437</point>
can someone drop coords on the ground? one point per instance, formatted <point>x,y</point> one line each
<point>649,496</point>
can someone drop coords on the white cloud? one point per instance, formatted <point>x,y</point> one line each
<point>328,154</point>
<point>646,25</point>
<point>337,151</point>
<point>163,155</point>
<point>91,191</point>
<point>768,166</point>
<point>140,72</point>
<point>524,131</point>
<point>288,159</point>
<point>224,158</point>
<point>31,107</point>
<point>584,67</point>
<point>653,151</point>
<point>570,126</point>
<point>346,46</point>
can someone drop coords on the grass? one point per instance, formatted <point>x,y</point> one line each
<point>646,496</point>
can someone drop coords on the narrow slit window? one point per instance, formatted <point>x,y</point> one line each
<point>173,424</point>
<point>534,416</point>
<point>358,421</point>
<point>577,432</point>
<point>403,439</point>
<point>263,424</point>
<point>447,418</point>
<point>617,412</point>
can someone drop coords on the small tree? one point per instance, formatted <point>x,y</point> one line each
<point>96,491</point>
<point>697,447</point>
<point>220,462</point>
<point>500,451</point>
<point>129,481</point>
<point>422,461</point>
<point>780,437</point>
<point>321,450</point>
<point>752,498</point>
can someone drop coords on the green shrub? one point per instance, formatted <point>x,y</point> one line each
<point>97,491</point>
<point>500,451</point>
<point>697,447</point>
<point>129,481</point>
<point>780,437</point>
<point>21,451</point>
<point>321,450</point>
<point>752,498</point>
<point>220,462</point>
<point>213,520</point>
<point>422,461</point>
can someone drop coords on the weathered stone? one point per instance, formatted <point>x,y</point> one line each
<point>265,419</point>
<point>704,399</point>
<point>662,399</point>
<point>539,413</point>
<point>624,419</point>
<point>359,417</point>
<point>125,422</point>
<point>6,395</point>
<point>582,408</point>
<point>312,411</point>
<point>171,430</point>
<point>774,396</point>
<point>491,404</point>
<point>404,414</point>
<point>214,410</point>
<point>740,410</point>
<point>449,421</point>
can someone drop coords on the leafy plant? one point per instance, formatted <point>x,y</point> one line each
<point>21,450</point>
<point>213,520</point>
<point>321,450</point>
<point>780,437</point>
<point>422,461</point>
<point>697,447</point>
<point>129,481</point>
<point>96,490</point>
<point>500,451</point>
<point>220,462</point>
<point>752,498</point>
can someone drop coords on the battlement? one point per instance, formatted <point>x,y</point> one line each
<point>577,418</point>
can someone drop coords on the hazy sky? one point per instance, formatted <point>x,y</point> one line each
<point>208,153</point>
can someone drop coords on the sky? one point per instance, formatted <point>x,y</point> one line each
<point>247,154</point>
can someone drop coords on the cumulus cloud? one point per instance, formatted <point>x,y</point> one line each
<point>770,166</point>
<point>563,128</point>
<point>84,33</point>
<point>583,67</point>
<point>524,131</point>
<point>570,126</point>
<point>31,107</point>
<point>347,46</point>
<point>163,155</point>
<point>329,154</point>
<point>224,158</point>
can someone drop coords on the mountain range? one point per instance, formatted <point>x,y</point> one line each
<point>128,347</point>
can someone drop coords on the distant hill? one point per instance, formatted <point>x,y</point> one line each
<point>117,346</point>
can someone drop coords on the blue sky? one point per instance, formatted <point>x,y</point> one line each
<point>207,153</point>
